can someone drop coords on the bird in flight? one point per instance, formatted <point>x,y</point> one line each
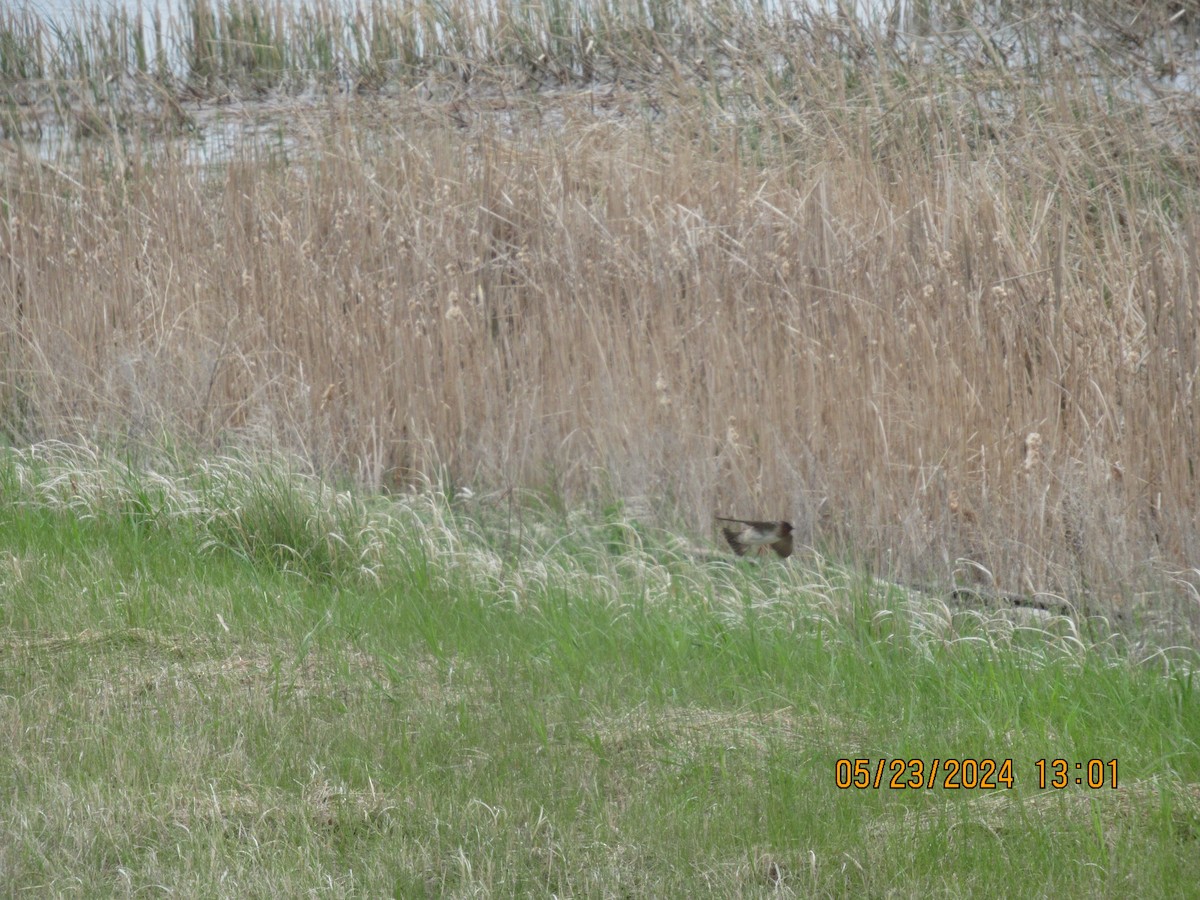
<point>758,535</point>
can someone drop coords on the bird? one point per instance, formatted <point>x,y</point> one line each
<point>758,535</point>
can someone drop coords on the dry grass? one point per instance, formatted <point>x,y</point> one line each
<point>943,318</point>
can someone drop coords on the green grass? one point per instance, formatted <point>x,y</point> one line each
<point>230,679</point>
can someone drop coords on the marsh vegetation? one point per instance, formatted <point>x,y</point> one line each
<point>370,377</point>
<point>928,290</point>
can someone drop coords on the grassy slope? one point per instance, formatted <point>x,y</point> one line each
<point>444,698</point>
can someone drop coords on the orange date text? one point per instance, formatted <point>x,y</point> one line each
<point>947,774</point>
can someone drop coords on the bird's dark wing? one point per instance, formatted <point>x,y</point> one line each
<point>734,537</point>
<point>761,526</point>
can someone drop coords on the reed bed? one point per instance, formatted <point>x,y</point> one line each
<point>940,313</point>
<point>124,59</point>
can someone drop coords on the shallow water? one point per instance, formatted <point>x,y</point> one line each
<point>64,11</point>
<point>1162,72</point>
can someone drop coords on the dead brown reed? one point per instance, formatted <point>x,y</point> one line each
<point>854,305</point>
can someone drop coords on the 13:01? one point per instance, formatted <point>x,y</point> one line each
<point>1059,773</point>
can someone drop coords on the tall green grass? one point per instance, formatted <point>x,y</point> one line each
<point>508,703</point>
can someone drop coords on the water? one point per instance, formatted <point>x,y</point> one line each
<point>1161,71</point>
<point>63,11</point>
<point>66,11</point>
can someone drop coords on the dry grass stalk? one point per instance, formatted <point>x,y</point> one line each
<point>857,313</point>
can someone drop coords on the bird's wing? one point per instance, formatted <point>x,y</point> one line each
<point>734,538</point>
<point>765,526</point>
